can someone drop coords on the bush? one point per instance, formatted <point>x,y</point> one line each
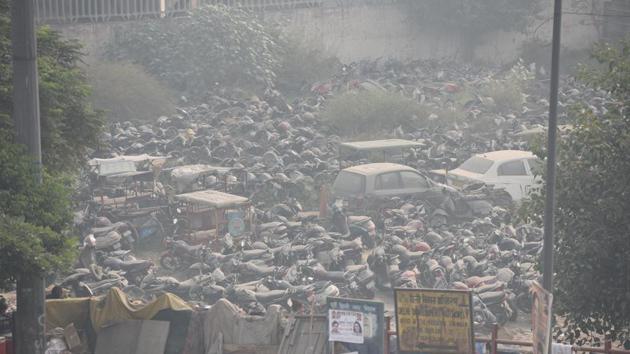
<point>371,112</point>
<point>508,93</point>
<point>215,47</point>
<point>126,92</point>
<point>302,65</point>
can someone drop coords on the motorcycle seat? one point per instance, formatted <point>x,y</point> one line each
<point>492,297</point>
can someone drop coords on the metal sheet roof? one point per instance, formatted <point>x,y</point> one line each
<point>380,144</point>
<point>376,168</point>
<point>133,158</point>
<point>503,155</point>
<point>212,198</point>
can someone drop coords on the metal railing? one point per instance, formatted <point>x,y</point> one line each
<point>267,4</point>
<point>71,11</point>
<point>96,10</point>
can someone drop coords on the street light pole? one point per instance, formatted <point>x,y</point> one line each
<point>30,316</point>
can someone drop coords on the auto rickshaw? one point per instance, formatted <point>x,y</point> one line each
<point>208,215</point>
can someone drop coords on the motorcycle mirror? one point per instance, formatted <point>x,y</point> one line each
<point>178,210</point>
<point>174,221</point>
<point>289,303</point>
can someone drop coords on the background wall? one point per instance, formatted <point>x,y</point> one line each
<point>383,30</point>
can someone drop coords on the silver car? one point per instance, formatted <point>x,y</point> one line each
<point>382,180</point>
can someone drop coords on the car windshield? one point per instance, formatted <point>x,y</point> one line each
<point>348,183</point>
<point>476,164</point>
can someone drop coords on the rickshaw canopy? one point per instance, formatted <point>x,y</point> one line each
<point>213,199</point>
<point>378,145</point>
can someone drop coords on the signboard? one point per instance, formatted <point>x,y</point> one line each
<point>360,324</point>
<point>236,224</point>
<point>541,318</point>
<point>346,326</point>
<point>434,321</point>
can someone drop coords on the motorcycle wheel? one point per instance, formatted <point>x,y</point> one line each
<point>169,262</point>
<point>368,241</point>
<point>524,302</point>
<point>512,304</point>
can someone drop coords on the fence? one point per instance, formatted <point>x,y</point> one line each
<point>71,11</point>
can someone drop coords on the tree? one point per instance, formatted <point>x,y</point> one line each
<point>68,123</point>
<point>213,48</point>
<point>33,216</point>
<point>592,240</point>
<point>471,19</point>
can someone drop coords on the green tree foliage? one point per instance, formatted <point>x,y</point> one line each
<point>213,48</point>
<point>592,283</point>
<point>33,216</point>
<point>68,124</point>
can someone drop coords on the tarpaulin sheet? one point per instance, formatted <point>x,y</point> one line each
<point>113,307</point>
<point>116,307</point>
<point>62,312</point>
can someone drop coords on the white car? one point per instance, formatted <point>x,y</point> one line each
<point>513,170</point>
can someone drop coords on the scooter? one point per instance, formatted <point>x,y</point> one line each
<point>354,226</point>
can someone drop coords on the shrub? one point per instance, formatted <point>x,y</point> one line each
<point>126,92</point>
<point>214,47</point>
<point>302,65</point>
<point>507,93</point>
<point>370,112</point>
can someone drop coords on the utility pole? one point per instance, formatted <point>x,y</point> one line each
<point>30,316</point>
<point>550,200</point>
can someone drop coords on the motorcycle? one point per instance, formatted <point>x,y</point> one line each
<point>354,226</point>
<point>180,254</point>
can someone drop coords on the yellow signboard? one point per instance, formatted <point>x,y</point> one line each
<point>434,321</point>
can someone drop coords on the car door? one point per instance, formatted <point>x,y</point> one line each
<point>419,185</point>
<point>535,168</point>
<point>513,176</point>
<point>388,184</point>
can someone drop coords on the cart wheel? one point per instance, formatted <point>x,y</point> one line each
<point>169,262</point>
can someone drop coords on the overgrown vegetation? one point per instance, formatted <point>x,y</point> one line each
<point>508,93</point>
<point>216,47</point>
<point>125,91</point>
<point>372,112</point>
<point>303,64</point>
<point>592,225</point>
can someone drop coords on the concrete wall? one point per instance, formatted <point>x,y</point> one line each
<point>372,31</point>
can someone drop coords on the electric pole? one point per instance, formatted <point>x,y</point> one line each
<point>550,200</point>
<point>550,196</point>
<point>30,316</point>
